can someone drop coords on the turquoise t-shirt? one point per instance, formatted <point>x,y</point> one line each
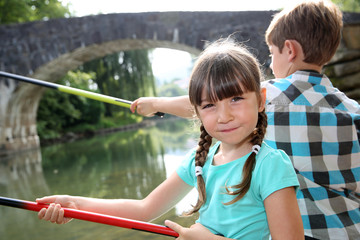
<point>246,218</point>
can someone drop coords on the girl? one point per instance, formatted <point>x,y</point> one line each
<point>246,189</point>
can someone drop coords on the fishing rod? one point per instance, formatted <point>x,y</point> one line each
<point>74,91</point>
<point>93,217</point>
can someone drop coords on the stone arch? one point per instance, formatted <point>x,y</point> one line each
<point>22,107</point>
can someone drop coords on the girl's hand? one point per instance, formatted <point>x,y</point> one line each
<point>195,232</point>
<point>144,106</point>
<point>54,213</point>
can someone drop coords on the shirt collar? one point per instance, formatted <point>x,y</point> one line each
<point>310,76</point>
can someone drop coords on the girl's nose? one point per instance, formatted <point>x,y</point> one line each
<point>224,114</point>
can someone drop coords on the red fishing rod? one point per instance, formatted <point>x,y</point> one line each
<point>93,217</point>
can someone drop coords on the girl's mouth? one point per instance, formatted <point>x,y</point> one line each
<point>227,130</point>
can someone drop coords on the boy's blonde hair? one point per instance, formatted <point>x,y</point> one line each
<point>316,25</point>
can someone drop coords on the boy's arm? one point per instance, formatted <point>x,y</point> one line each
<point>178,106</point>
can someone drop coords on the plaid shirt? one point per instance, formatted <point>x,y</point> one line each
<point>319,128</point>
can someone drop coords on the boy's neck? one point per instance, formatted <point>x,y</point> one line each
<point>307,67</point>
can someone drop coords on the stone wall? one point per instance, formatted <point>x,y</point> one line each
<point>344,68</point>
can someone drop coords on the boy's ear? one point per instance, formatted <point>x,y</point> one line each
<point>291,48</point>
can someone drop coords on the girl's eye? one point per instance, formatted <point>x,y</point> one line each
<point>236,99</point>
<point>209,105</point>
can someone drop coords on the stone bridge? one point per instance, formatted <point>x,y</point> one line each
<point>48,49</point>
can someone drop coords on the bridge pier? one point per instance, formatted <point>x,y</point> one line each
<point>18,130</point>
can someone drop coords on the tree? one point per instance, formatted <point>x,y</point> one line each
<point>171,90</point>
<point>348,5</point>
<point>59,111</point>
<point>17,11</point>
<point>126,75</point>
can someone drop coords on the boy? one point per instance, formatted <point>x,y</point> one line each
<point>313,122</point>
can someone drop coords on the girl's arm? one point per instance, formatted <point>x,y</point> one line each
<point>178,106</point>
<point>159,201</point>
<point>283,215</point>
<point>195,232</point>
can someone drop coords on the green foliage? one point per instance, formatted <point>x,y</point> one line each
<point>60,111</point>
<point>126,75</point>
<point>348,5</point>
<point>90,110</point>
<point>171,90</point>
<point>17,11</point>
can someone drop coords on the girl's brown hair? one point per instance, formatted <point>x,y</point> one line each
<point>226,69</point>
<point>316,25</point>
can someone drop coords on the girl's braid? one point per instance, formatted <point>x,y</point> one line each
<point>200,159</point>
<point>260,130</point>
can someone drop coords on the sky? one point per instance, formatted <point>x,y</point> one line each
<point>170,64</point>
<point>87,7</point>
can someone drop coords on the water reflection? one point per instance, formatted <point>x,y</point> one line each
<point>121,165</point>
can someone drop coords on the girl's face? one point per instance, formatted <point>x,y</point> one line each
<point>231,120</point>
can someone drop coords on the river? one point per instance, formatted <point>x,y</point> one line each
<point>118,165</point>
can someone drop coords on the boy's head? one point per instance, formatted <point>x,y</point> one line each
<point>315,25</point>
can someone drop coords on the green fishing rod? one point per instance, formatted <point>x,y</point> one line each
<point>74,91</point>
